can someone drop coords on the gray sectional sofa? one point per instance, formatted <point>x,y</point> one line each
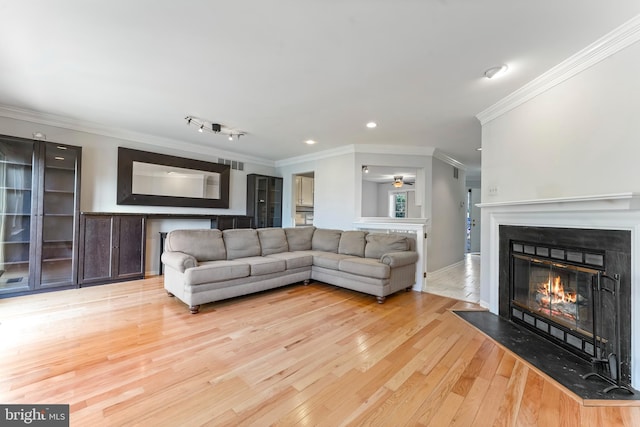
<point>208,265</point>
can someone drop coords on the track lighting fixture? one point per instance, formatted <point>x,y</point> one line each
<point>203,125</point>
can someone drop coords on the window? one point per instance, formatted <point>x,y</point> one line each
<point>399,205</point>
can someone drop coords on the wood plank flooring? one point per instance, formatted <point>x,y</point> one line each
<point>127,354</point>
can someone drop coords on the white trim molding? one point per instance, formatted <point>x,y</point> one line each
<point>613,42</point>
<point>406,150</point>
<point>448,159</point>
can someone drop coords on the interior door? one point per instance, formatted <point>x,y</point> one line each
<point>474,211</point>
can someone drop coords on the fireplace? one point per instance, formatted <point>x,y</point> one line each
<point>572,287</point>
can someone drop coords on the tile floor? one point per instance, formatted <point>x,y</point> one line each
<point>459,281</point>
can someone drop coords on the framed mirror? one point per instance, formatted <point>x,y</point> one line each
<point>153,179</point>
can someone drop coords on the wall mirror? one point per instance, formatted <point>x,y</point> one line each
<point>153,179</point>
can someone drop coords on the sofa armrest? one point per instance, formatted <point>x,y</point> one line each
<point>398,259</point>
<point>178,260</point>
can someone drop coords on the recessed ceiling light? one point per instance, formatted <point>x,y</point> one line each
<point>497,71</point>
<point>310,141</point>
<point>372,125</point>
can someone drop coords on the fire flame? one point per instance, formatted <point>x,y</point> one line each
<point>554,293</point>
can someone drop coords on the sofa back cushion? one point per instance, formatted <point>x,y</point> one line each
<point>299,238</point>
<point>241,243</point>
<point>352,243</point>
<point>379,244</point>
<point>272,241</point>
<point>326,240</point>
<point>203,245</point>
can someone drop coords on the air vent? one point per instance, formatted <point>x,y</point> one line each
<point>233,163</point>
<point>455,172</point>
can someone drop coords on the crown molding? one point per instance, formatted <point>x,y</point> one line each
<point>409,150</point>
<point>399,150</point>
<point>613,42</point>
<point>448,159</point>
<point>48,119</point>
<point>347,149</point>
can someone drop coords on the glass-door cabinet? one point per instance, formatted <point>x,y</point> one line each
<point>60,206</point>
<point>17,219</point>
<point>39,215</point>
<point>264,200</point>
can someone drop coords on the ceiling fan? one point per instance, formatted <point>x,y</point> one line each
<point>398,181</point>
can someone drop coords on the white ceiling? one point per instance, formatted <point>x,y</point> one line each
<point>289,70</point>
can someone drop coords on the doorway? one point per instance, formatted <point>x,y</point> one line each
<point>303,198</point>
<point>473,221</point>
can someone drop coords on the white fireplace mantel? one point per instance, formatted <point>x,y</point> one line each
<point>620,211</point>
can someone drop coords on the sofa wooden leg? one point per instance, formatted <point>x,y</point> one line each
<point>408,289</point>
<point>170,294</point>
<point>306,282</point>
<point>194,309</point>
<point>381,299</point>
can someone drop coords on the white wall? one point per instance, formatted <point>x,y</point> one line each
<point>446,240</point>
<point>578,138</point>
<point>334,177</point>
<point>99,169</point>
<point>369,199</point>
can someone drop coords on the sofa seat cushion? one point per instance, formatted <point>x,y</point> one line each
<point>328,259</point>
<point>264,265</point>
<point>365,267</point>
<point>216,271</point>
<point>294,259</point>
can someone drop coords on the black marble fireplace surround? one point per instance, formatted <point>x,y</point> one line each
<point>614,245</point>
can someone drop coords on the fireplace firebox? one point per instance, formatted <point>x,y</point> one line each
<point>555,297</point>
<point>572,287</point>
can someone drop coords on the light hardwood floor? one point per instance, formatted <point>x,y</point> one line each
<point>127,354</point>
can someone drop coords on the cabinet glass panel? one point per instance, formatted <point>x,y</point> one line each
<point>262,184</point>
<point>275,203</point>
<point>16,177</point>
<point>58,222</point>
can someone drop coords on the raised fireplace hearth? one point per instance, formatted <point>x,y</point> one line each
<point>571,286</point>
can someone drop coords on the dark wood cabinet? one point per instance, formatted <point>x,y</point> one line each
<point>264,200</point>
<point>112,248</point>
<point>39,215</point>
